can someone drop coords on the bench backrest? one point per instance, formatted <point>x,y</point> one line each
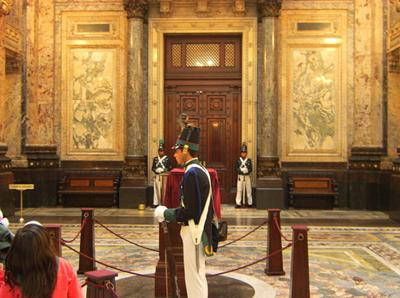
<point>311,183</point>
<point>90,182</point>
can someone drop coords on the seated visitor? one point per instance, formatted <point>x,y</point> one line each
<point>32,270</point>
<point>5,237</point>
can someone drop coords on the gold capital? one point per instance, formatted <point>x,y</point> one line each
<point>136,8</point>
<point>5,7</point>
<point>269,8</point>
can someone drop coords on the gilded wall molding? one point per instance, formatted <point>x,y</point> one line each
<point>157,29</point>
<point>93,86</point>
<point>13,39</point>
<point>5,7</point>
<point>269,8</point>
<point>313,86</point>
<point>136,8</point>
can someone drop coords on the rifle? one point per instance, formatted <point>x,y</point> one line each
<point>171,263</point>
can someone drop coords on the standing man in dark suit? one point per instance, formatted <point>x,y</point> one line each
<point>195,213</point>
<point>244,168</point>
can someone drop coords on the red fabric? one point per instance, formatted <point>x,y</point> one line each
<point>67,285</point>
<point>171,199</point>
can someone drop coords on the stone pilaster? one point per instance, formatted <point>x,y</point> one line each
<point>367,166</point>
<point>39,74</point>
<point>5,9</point>
<point>134,173</point>
<point>6,176</point>
<point>368,75</point>
<point>269,183</point>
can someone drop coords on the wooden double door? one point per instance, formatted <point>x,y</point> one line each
<point>214,106</point>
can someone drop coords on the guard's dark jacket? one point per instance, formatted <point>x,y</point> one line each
<point>195,184</point>
<point>166,163</point>
<point>248,165</point>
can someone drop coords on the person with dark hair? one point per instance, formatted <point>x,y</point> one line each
<point>195,213</point>
<point>32,270</point>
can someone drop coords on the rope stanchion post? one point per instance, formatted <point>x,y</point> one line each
<point>299,277</point>
<point>162,274</point>
<point>55,236</point>
<point>87,241</point>
<point>275,263</point>
<point>101,284</point>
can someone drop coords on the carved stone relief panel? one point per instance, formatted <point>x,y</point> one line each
<point>313,84</point>
<point>93,74</point>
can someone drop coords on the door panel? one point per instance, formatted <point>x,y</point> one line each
<point>216,110</point>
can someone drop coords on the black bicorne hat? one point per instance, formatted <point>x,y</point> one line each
<point>189,136</point>
<point>243,148</point>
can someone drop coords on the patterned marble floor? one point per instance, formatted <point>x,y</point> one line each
<point>351,253</point>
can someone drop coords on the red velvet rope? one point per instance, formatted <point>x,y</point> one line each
<point>245,235</point>
<point>252,263</point>
<point>105,264</point>
<point>280,232</point>
<point>80,231</point>
<point>121,237</point>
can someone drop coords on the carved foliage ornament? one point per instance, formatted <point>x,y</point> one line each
<point>136,8</point>
<point>269,8</point>
<point>5,7</point>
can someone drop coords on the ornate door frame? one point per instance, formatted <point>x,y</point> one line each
<point>247,27</point>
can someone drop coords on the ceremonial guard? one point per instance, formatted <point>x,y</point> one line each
<point>195,213</point>
<point>244,168</point>
<point>161,165</point>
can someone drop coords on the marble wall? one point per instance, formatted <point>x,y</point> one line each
<point>368,80</point>
<point>39,40</point>
<point>62,6</point>
<point>93,71</point>
<point>313,125</point>
<point>12,108</point>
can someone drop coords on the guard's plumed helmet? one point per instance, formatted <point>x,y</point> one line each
<point>190,137</point>
<point>243,148</point>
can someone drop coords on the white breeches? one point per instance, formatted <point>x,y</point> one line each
<point>243,189</point>
<point>196,282</point>
<point>157,190</point>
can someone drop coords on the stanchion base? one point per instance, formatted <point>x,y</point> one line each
<point>269,273</point>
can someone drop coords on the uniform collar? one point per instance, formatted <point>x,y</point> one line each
<point>191,161</point>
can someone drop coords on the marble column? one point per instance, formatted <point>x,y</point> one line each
<point>369,104</point>
<point>268,181</point>
<point>6,175</point>
<point>5,9</point>
<point>135,169</point>
<point>367,184</point>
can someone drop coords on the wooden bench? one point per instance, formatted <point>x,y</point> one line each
<point>80,189</point>
<point>313,192</point>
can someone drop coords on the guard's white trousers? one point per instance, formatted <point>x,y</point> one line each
<point>244,185</point>
<point>157,190</point>
<point>196,282</point>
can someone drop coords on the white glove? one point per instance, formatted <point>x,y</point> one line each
<point>159,170</point>
<point>245,170</point>
<point>3,220</point>
<point>159,213</point>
